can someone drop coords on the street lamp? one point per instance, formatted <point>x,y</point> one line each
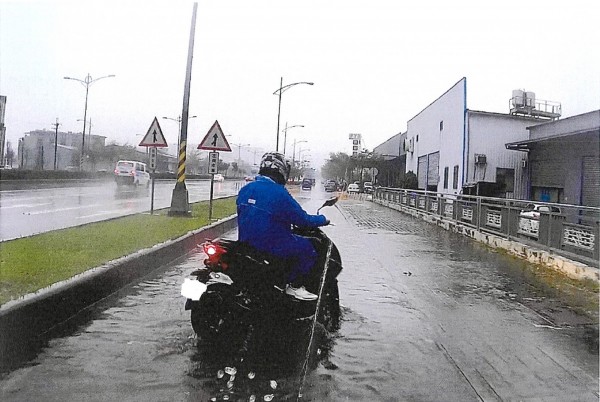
<point>86,82</point>
<point>301,155</point>
<point>281,90</point>
<point>239,152</point>
<point>178,120</point>
<point>89,131</point>
<point>294,150</point>
<point>285,133</point>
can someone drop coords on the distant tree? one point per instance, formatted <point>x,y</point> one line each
<point>337,166</point>
<point>410,181</point>
<point>193,161</point>
<point>223,166</point>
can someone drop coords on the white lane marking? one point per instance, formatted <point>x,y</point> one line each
<point>27,205</point>
<point>51,211</point>
<point>100,214</point>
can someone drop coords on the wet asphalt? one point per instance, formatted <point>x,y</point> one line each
<point>428,315</point>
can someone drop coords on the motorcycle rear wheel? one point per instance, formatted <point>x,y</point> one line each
<point>210,319</point>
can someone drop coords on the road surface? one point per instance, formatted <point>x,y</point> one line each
<point>428,315</point>
<point>31,211</point>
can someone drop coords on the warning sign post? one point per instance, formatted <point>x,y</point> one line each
<point>154,138</point>
<point>213,141</point>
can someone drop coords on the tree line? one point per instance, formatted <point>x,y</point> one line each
<point>368,166</point>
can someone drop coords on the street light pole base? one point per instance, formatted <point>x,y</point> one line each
<point>180,205</point>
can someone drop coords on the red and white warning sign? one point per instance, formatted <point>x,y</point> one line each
<point>215,140</point>
<point>154,137</point>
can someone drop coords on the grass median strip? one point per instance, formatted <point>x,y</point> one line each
<point>34,262</point>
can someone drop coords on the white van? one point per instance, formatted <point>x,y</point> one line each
<point>132,173</point>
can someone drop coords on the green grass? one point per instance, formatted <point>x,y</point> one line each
<point>32,263</point>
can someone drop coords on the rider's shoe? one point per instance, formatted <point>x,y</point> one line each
<point>300,293</point>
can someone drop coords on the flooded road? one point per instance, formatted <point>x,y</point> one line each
<point>427,316</point>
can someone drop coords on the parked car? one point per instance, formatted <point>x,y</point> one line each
<point>368,187</point>
<point>529,218</point>
<point>353,188</point>
<point>532,211</point>
<point>218,177</point>
<point>249,178</point>
<point>132,173</point>
<point>306,185</point>
<point>330,186</point>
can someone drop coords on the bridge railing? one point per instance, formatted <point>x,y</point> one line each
<point>572,231</point>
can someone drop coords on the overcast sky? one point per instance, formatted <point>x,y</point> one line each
<point>375,64</point>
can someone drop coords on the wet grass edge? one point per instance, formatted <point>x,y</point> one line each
<point>32,263</point>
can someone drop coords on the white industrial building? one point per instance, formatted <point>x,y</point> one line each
<point>454,150</point>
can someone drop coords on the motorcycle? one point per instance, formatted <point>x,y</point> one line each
<point>240,289</point>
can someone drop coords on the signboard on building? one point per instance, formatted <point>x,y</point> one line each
<point>356,139</point>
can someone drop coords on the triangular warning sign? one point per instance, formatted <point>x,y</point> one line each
<point>215,139</point>
<point>154,137</point>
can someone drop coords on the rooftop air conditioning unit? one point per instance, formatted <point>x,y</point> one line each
<point>518,98</point>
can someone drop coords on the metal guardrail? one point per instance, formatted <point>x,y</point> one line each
<point>569,230</point>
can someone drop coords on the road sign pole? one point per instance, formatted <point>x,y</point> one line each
<point>153,166</point>
<point>213,167</point>
<point>210,201</point>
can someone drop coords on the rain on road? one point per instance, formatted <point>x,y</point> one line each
<point>24,212</point>
<point>427,316</point>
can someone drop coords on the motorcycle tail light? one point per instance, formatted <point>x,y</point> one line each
<point>212,250</point>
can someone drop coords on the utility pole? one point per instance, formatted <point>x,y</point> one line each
<point>180,204</point>
<point>56,142</point>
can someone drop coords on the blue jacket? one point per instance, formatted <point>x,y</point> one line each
<point>266,211</point>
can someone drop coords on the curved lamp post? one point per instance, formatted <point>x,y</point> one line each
<point>281,90</point>
<point>285,133</point>
<point>178,120</point>
<point>239,147</point>
<point>294,150</point>
<point>89,131</point>
<point>86,82</point>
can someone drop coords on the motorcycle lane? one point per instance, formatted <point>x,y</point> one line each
<point>427,315</point>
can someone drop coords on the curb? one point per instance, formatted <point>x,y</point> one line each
<point>25,321</point>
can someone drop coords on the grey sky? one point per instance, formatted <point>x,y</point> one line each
<point>375,64</point>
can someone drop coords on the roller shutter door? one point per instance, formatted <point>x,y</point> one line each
<point>590,184</point>
<point>547,173</point>
<point>433,170</point>
<point>422,172</point>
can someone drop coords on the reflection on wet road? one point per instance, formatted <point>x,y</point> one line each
<point>30,211</point>
<point>427,316</point>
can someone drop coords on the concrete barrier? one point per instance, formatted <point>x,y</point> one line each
<point>24,322</point>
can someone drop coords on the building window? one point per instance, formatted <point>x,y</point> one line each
<point>455,178</point>
<point>441,125</point>
<point>446,177</point>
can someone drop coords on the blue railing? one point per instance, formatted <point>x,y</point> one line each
<point>569,230</point>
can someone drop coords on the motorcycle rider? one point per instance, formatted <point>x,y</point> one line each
<point>266,212</point>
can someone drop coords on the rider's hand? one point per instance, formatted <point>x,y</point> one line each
<point>327,222</point>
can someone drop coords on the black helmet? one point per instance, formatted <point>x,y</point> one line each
<point>276,166</point>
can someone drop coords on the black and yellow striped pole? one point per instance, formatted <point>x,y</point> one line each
<point>180,204</point>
